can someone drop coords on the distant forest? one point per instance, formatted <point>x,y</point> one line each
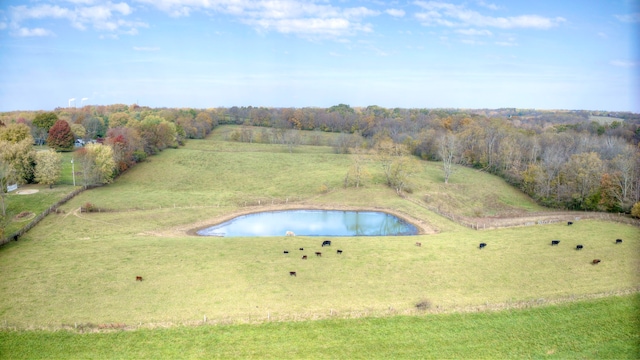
<point>572,159</point>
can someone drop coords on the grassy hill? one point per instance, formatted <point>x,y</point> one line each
<point>80,268</point>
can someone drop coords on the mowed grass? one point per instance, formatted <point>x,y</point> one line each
<point>601,329</point>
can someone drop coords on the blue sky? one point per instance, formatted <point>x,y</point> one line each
<point>544,54</point>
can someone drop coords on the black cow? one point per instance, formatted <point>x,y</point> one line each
<point>555,242</point>
<point>569,223</point>
<point>339,251</point>
<point>326,243</point>
<point>286,252</point>
<point>292,273</point>
<point>301,249</point>
<point>579,247</point>
<point>618,241</point>
<point>482,245</point>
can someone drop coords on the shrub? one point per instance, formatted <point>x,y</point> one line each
<point>88,207</point>
<point>635,210</point>
<point>423,305</point>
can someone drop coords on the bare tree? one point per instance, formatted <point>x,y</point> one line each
<point>448,151</point>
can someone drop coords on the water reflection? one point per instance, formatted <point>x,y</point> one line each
<point>313,223</point>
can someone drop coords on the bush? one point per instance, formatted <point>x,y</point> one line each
<point>88,207</point>
<point>423,305</point>
<point>635,210</point>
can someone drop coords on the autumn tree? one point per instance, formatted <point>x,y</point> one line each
<point>98,166</point>
<point>42,122</point>
<point>7,176</point>
<point>94,127</point>
<point>157,133</point>
<point>15,133</point>
<point>127,147</point>
<point>45,120</point>
<point>79,132</point>
<point>48,167</point>
<point>357,172</point>
<point>61,137</point>
<point>119,119</point>
<point>635,210</point>
<point>582,175</point>
<point>21,157</point>
<point>396,163</point>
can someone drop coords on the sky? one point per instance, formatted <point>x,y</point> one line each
<point>543,54</point>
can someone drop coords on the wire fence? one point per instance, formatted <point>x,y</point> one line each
<point>53,208</point>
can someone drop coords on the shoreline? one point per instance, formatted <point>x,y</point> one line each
<point>423,228</point>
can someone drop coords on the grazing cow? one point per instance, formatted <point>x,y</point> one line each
<point>304,257</point>
<point>579,247</point>
<point>569,223</point>
<point>326,243</point>
<point>290,233</point>
<point>292,273</point>
<point>482,245</point>
<point>301,249</point>
<point>555,242</point>
<point>618,241</point>
<point>418,244</point>
<point>339,251</point>
<point>286,252</point>
<point>595,261</point>
<point>318,253</point>
<point>138,278</point>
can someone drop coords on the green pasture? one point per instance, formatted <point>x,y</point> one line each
<point>77,270</point>
<point>596,329</point>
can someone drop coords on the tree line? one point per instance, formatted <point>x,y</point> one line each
<point>578,160</point>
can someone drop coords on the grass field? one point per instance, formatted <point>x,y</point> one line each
<point>595,329</point>
<point>79,269</point>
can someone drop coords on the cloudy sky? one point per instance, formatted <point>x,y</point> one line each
<point>544,54</point>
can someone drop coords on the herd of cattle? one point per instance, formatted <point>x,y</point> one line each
<point>482,245</point>
<point>555,243</point>
<point>304,257</point>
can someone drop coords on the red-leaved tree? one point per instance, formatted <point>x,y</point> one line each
<point>60,136</point>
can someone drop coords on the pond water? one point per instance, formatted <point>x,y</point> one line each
<point>313,223</point>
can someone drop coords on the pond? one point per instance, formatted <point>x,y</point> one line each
<point>313,223</point>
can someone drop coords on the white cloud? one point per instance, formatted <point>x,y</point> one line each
<point>474,32</point>
<point>451,15</point>
<point>106,16</point>
<point>26,32</point>
<point>146,48</point>
<point>629,18</point>
<point>3,25</point>
<point>506,43</point>
<point>487,5</point>
<point>304,18</point>
<point>603,35</point>
<point>624,63</point>
<point>395,12</point>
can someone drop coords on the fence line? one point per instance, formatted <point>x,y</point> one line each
<point>15,236</point>
<point>528,219</point>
